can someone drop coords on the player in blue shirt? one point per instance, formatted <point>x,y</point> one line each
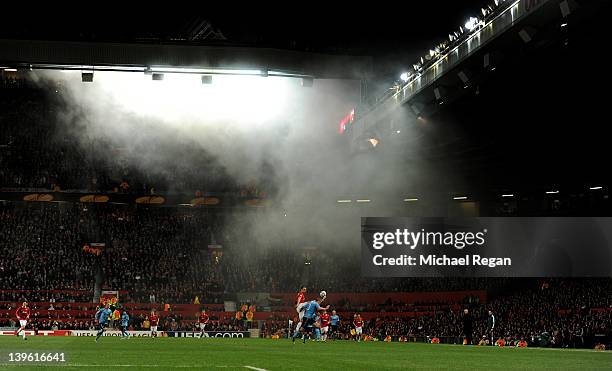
<point>334,322</point>
<point>317,327</point>
<point>312,308</point>
<point>102,316</point>
<point>125,322</point>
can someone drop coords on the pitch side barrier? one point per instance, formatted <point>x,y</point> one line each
<point>184,334</point>
<point>114,333</point>
<point>91,333</point>
<point>209,334</point>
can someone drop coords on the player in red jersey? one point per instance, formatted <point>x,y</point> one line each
<point>203,321</point>
<point>154,319</point>
<point>324,318</point>
<point>300,305</point>
<point>23,314</point>
<point>358,323</point>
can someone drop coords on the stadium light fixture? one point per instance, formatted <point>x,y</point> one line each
<point>410,199</point>
<point>307,82</point>
<point>363,201</point>
<point>564,24</point>
<point>10,69</point>
<point>404,76</point>
<point>595,188</point>
<point>87,76</point>
<point>206,79</point>
<point>487,60</point>
<point>460,198</point>
<point>464,79</point>
<point>438,94</point>
<point>417,109</point>
<point>525,35</point>
<point>344,201</point>
<point>508,195</point>
<point>552,192</point>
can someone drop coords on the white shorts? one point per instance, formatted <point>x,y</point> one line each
<point>324,329</point>
<point>301,310</point>
<point>358,330</point>
<point>154,328</point>
<point>202,326</point>
<point>23,322</point>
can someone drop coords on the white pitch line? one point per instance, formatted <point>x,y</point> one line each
<point>255,368</point>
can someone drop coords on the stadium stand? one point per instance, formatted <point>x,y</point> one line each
<point>164,251</point>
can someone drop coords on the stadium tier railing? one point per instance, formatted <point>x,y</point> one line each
<point>476,39</point>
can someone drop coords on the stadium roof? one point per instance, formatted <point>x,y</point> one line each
<point>391,35</point>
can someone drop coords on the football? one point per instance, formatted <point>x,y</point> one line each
<point>323,294</point>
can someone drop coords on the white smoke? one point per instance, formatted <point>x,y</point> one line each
<point>243,123</point>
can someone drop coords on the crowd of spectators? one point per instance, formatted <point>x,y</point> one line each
<point>72,296</point>
<point>556,312</point>
<point>39,249</point>
<point>164,251</point>
<point>161,251</point>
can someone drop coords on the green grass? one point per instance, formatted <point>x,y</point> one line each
<point>112,353</point>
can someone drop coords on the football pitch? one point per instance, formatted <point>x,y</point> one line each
<point>112,353</point>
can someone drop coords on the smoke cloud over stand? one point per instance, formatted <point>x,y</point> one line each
<point>270,131</point>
